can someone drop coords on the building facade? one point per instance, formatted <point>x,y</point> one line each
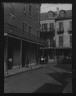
<point>21,35</point>
<point>56,29</point>
<point>63,33</point>
<point>47,32</point>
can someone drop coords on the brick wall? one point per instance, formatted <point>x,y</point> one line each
<point>20,16</point>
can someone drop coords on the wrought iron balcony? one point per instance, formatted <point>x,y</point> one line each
<point>70,31</point>
<point>10,29</point>
<point>52,43</point>
<point>60,31</point>
<point>48,30</point>
<point>47,34</point>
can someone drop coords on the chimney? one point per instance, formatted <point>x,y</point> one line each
<point>57,10</point>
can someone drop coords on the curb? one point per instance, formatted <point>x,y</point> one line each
<point>22,72</point>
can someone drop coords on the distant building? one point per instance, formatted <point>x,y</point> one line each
<point>63,33</point>
<point>56,29</point>
<point>21,34</point>
<point>47,21</point>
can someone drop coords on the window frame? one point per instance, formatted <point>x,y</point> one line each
<point>12,17</point>
<point>61,26</point>
<point>51,27</point>
<point>30,9</point>
<point>24,23</point>
<point>44,28</point>
<point>25,8</point>
<point>30,27</point>
<point>61,41</point>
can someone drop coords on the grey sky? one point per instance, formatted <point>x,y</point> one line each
<point>45,7</point>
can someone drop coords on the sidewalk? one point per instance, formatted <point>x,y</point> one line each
<point>24,69</point>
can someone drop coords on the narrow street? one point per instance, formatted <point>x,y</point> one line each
<point>37,47</point>
<point>44,80</point>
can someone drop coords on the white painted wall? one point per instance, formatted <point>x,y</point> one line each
<point>66,36</point>
<point>48,26</point>
<point>65,24</point>
<point>66,40</point>
<point>48,22</point>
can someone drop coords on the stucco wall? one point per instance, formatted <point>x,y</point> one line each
<point>66,40</point>
<point>48,22</point>
<point>66,36</point>
<point>66,24</point>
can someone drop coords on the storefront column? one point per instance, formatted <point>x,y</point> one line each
<point>55,54</point>
<point>20,54</point>
<point>37,59</point>
<point>48,54</point>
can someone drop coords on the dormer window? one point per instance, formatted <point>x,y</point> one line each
<point>50,14</point>
<point>62,13</point>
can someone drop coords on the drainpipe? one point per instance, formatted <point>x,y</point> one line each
<point>55,39</point>
<point>6,60</point>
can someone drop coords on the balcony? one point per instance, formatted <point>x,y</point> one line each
<point>52,43</point>
<point>47,33</point>
<point>48,30</point>
<point>60,31</point>
<point>70,31</point>
<point>12,30</point>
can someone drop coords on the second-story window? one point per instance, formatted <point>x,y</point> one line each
<point>51,26</point>
<point>12,13</point>
<point>37,15</point>
<point>30,9</point>
<point>12,9</point>
<point>12,17</point>
<point>44,27</point>
<point>24,27</point>
<point>30,29</point>
<point>60,40</point>
<point>60,26</point>
<point>24,8</point>
<point>13,20</point>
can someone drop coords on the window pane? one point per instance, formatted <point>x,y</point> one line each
<point>30,29</point>
<point>51,26</point>
<point>24,26</point>
<point>24,7</point>
<point>30,8</point>
<point>61,26</point>
<point>44,27</point>
<point>60,40</point>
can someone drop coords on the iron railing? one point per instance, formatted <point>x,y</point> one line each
<point>60,31</point>
<point>23,34</point>
<point>69,31</point>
